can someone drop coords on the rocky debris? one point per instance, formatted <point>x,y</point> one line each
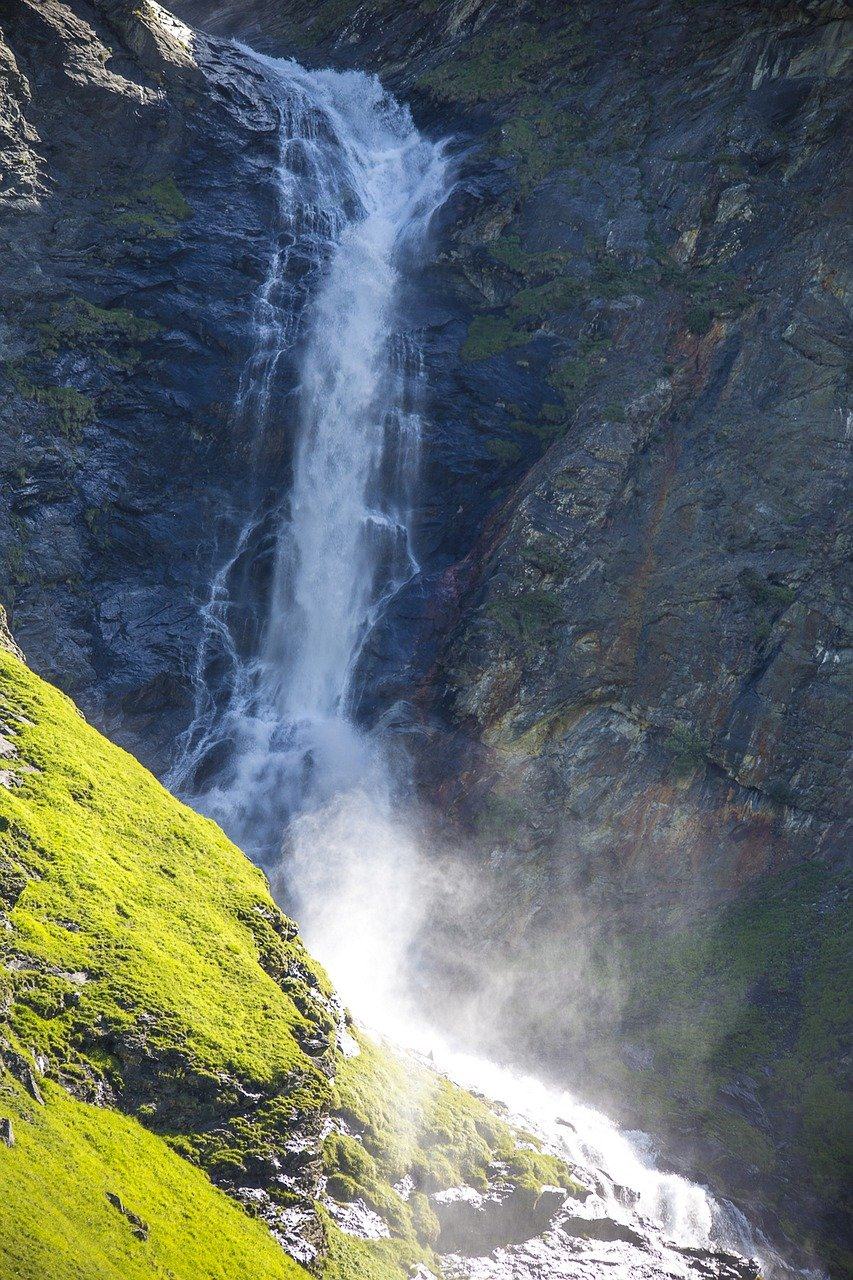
<point>357,1219</point>
<point>140,1228</point>
<point>296,1228</point>
<point>22,1068</point>
<point>557,1256</point>
<point>7,1133</point>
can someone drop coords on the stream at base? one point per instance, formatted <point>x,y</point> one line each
<point>273,753</point>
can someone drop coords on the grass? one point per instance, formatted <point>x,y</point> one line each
<point>147,958</point>
<point>351,1259</point>
<point>147,967</point>
<point>108,857</point>
<point>58,1223</point>
<point>416,1124</point>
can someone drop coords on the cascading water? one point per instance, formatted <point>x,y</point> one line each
<point>272,734</point>
<point>357,188</point>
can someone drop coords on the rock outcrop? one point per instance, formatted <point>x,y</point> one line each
<point>135,217</point>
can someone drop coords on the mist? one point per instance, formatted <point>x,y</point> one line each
<point>432,943</point>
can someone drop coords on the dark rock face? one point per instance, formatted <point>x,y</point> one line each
<point>629,645</point>
<point>627,656</point>
<point>136,217</point>
<point>473,1223</point>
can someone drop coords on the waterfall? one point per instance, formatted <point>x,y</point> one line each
<point>273,752</point>
<point>357,186</point>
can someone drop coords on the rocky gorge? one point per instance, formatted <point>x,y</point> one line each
<point>621,670</point>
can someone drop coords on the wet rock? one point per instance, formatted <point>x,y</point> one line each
<point>472,1222</point>
<point>134,382</point>
<point>601,1229</point>
<point>721,1265</point>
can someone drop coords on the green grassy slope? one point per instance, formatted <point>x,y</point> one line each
<point>145,965</point>
<point>58,1222</point>
<point>162,1030</point>
<point>111,878</point>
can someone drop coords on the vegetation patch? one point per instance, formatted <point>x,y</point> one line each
<point>528,616</point>
<point>501,60</point>
<point>89,1192</point>
<point>546,557</point>
<point>688,748</point>
<point>417,1124</point>
<point>153,212</point>
<point>541,141</point>
<point>509,251</point>
<point>507,452</point>
<point>756,991</point>
<point>490,335</point>
<point>68,409</point>
<point>112,334</point>
<point>765,591</point>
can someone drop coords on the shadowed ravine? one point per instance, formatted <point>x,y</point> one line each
<point>273,751</point>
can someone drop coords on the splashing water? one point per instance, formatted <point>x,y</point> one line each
<point>272,739</point>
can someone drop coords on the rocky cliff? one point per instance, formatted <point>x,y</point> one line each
<point>630,647</point>
<point>625,658</point>
<point>137,196</point>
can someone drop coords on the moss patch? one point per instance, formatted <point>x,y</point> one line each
<point>756,990</point>
<point>155,211</point>
<point>111,334</point>
<point>490,335</point>
<point>68,409</point>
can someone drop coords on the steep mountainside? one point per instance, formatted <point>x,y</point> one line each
<point>179,1093</point>
<point>626,659</point>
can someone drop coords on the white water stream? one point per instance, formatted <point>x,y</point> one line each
<point>357,187</point>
